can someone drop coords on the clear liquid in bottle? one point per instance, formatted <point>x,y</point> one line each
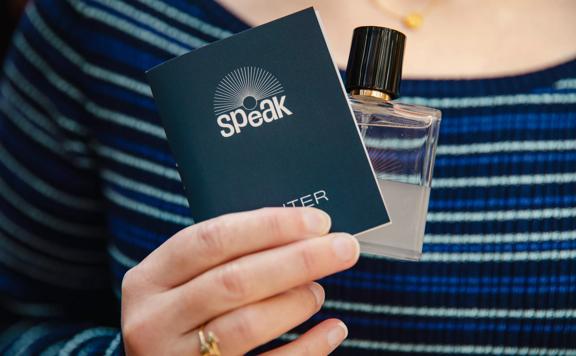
<point>401,143</point>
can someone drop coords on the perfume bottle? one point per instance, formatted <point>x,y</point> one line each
<point>400,140</point>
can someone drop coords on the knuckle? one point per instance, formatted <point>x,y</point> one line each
<point>135,280</point>
<point>233,281</point>
<point>308,350</point>
<point>129,331</point>
<point>189,298</point>
<point>299,222</point>
<point>210,235</point>
<point>134,335</point>
<point>129,281</point>
<point>274,223</point>
<point>126,281</point>
<point>307,261</point>
<point>244,327</point>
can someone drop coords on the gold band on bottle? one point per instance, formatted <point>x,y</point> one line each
<point>373,93</point>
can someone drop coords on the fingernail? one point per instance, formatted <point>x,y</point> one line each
<point>318,292</point>
<point>345,247</point>
<point>317,222</point>
<point>337,335</point>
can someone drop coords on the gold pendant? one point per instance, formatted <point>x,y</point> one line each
<point>413,21</point>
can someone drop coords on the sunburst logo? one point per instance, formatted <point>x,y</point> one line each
<point>248,96</point>
<point>244,87</point>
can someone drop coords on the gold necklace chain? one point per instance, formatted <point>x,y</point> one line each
<point>412,20</point>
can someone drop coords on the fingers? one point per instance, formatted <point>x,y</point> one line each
<point>248,327</point>
<point>210,243</point>
<point>320,340</point>
<point>259,276</point>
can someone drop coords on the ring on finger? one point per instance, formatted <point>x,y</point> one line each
<point>208,343</point>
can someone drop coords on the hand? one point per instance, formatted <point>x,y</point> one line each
<point>247,277</point>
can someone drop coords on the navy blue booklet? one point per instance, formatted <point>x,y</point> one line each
<point>261,119</point>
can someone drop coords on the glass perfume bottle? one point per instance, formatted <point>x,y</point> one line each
<point>400,140</point>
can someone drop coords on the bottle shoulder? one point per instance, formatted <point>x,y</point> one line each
<point>378,109</point>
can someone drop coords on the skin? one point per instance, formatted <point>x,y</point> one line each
<point>458,39</point>
<point>224,274</point>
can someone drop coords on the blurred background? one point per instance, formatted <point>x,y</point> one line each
<point>10,11</point>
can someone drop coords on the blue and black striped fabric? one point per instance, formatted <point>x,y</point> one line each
<point>89,187</point>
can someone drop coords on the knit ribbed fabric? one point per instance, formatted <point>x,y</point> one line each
<point>88,187</point>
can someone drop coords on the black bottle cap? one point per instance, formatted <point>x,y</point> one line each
<point>375,61</point>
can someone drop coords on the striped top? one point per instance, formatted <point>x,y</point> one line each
<point>88,187</point>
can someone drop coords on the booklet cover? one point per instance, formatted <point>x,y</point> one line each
<point>261,119</point>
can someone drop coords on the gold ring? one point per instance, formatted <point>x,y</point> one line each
<point>208,343</point>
